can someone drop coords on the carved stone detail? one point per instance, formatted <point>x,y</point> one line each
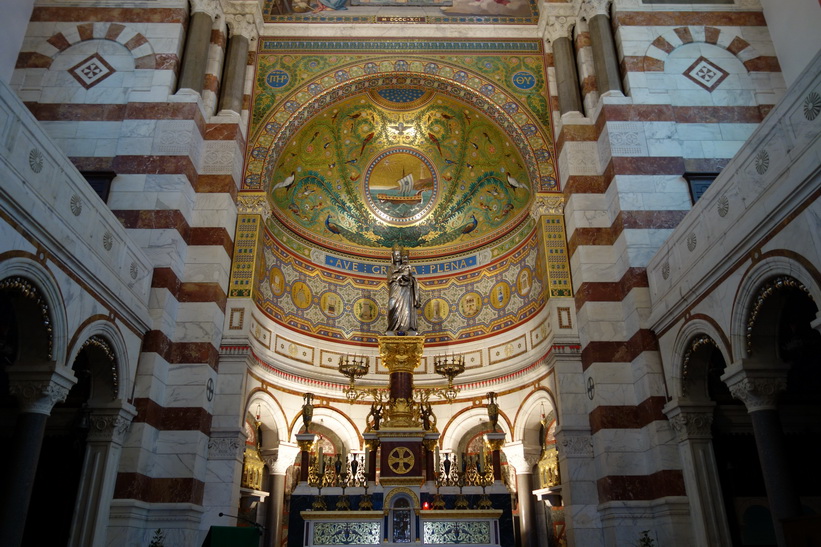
<point>108,427</point>
<point>224,448</point>
<point>252,203</point>
<point>242,24</point>
<point>560,27</point>
<point>39,395</point>
<point>592,8</point>
<point>689,425</point>
<point>758,393</point>
<point>547,205</point>
<point>577,446</point>
<point>211,7</point>
<point>521,457</point>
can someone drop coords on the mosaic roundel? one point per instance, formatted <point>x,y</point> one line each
<point>401,186</point>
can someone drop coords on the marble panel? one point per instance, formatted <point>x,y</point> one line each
<point>208,264</point>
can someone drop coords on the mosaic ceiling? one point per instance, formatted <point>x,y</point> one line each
<point>442,153</point>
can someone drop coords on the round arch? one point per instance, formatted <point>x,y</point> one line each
<point>526,133</point>
<point>270,414</point>
<point>466,421</point>
<point>336,421</point>
<point>687,339</point>
<point>767,268</point>
<point>107,337</point>
<point>52,305</point>
<point>528,417</point>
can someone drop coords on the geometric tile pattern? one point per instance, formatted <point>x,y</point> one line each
<point>706,74</point>
<point>91,71</point>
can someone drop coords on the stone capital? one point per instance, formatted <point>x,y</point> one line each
<point>252,203</point>
<point>280,459</point>
<point>547,204</point>
<point>110,424</point>
<point>592,8</point>
<point>242,24</point>
<point>37,388</point>
<point>559,27</point>
<point>690,421</point>
<point>756,386</point>
<point>209,7</point>
<point>521,457</point>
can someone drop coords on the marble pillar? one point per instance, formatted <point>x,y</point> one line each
<point>692,424</point>
<point>605,59</point>
<point>104,444</point>
<point>37,389</point>
<point>197,42</point>
<point>243,32</point>
<point>278,465</point>
<point>559,34</point>
<point>523,459</point>
<point>758,387</point>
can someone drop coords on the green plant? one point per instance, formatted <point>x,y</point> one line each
<point>158,540</point>
<point>645,540</point>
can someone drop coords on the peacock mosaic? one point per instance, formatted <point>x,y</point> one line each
<point>438,147</point>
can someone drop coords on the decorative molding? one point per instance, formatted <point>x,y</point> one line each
<point>26,289</point>
<point>576,446</point>
<point>767,290</point>
<point>252,203</point>
<point>696,343</point>
<point>692,424</point>
<point>547,204</point>
<point>108,427</point>
<point>228,447</point>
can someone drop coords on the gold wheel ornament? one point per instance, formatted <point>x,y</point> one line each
<point>400,460</point>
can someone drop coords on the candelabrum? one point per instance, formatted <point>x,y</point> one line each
<point>354,367</point>
<point>449,366</point>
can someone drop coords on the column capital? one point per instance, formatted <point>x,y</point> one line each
<point>110,424</point>
<point>559,27</point>
<point>242,24</point>
<point>37,388</point>
<point>547,204</point>
<point>592,8</point>
<point>280,459</point>
<point>756,386</point>
<point>690,421</point>
<point>209,7</point>
<point>521,457</point>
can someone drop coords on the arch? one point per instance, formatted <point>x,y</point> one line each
<point>759,273</point>
<point>339,423</point>
<point>312,96</point>
<point>100,333</point>
<point>271,415</point>
<point>728,39</point>
<point>688,336</point>
<point>529,407</point>
<point>463,422</point>
<point>135,42</point>
<point>42,279</point>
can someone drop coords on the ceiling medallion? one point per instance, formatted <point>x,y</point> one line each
<point>401,186</point>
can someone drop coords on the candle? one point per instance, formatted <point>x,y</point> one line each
<point>436,460</point>
<point>365,466</point>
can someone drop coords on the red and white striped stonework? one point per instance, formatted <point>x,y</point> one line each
<point>178,169</point>
<point>621,163</point>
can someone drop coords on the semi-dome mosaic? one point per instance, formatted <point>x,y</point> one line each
<point>399,166</point>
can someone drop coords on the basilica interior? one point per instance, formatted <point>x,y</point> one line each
<point>499,273</point>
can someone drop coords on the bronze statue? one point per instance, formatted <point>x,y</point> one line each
<point>307,410</point>
<point>492,410</point>
<point>403,291</point>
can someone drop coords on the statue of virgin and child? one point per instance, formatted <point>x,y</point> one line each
<point>403,295</point>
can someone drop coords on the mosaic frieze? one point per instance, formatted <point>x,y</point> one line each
<point>344,298</point>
